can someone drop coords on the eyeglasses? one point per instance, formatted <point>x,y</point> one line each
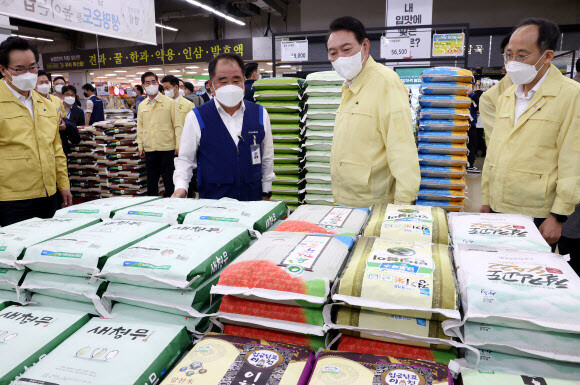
<point>519,57</point>
<point>21,69</point>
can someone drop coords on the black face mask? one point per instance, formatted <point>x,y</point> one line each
<point>86,95</point>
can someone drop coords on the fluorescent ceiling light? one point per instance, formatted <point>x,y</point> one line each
<point>160,74</point>
<point>155,69</point>
<point>92,73</point>
<point>262,70</point>
<point>269,63</point>
<point>285,66</point>
<point>191,73</point>
<point>192,67</point>
<point>43,39</point>
<point>175,71</point>
<point>55,75</point>
<point>269,72</point>
<point>33,38</point>
<point>120,71</point>
<point>215,11</point>
<point>166,27</point>
<point>139,73</point>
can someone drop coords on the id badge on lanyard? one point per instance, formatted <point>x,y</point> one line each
<point>256,154</point>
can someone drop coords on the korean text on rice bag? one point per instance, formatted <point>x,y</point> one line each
<point>445,101</point>
<point>442,172</point>
<point>84,252</point>
<point>258,215</point>
<point>441,194</point>
<point>503,287</point>
<point>443,148</point>
<point>446,88</point>
<point>181,256</point>
<point>343,368</point>
<point>288,268</point>
<point>270,315</point>
<point>112,351</point>
<point>443,183</point>
<point>313,342</point>
<point>70,288</point>
<point>326,220</point>
<point>442,136</point>
<point>445,113</point>
<point>222,359</point>
<point>14,239</point>
<point>447,74</point>
<point>28,333</point>
<point>478,377</point>
<point>443,125</point>
<point>101,208</point>
<point>504,230</point>
<point>443,160</point>
<point>166,210</point>
<point>413,279</point>
<point>408,223</point>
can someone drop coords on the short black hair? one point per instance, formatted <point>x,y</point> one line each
<point>348,23</point>
<point>140,89</point>
<point>549,32</point>
<point>189,86</point>
<point>89,87</point>
<point>173,80</point>
<point>146,75</point>
<point>15,43</point>
<point>58,77</point>
<point>206,83</point>
<point>250,69</point>
<point>578,65</point>
<point>160,88</point>
<point>504,43</point>
<point>43,73</point>
<point>69,88</point>
<point>225,56</point>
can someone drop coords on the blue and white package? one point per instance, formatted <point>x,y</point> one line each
<point>445,113</point>
<point>446,88</point>
<point>443,125</point>
<point>441,194</point>
<point>442,172</point>
<point>443,183</point>
<point>447,74</point>
<point>443,148</point>
<point>442,137</point>
<point>449,206</point>
<point>443,160</point>
<point>445,101</point>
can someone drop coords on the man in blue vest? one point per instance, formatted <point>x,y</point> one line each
<point>95,111</point>
<point>228,140</point>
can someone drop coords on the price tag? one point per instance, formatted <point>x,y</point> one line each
<point>295,50</point>
<point>395,47</point>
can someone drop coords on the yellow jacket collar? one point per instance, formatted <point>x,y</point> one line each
<point>362,76</point>
<point>7,96</point>
<point>550,87</point>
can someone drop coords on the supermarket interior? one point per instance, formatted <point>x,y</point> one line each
<point>289,192</point>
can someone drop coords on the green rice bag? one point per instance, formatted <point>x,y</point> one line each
<point>29,333</point>
<point>14,239</point>
<point>317,156</point>
<point>412,279</point>
<point>286,159</point>
<point>10,279</point>
<point>112,351</point>
<point>320,124</point>
<point>84,252</point>
<point>320,189</point>
<point>287,180</point>
<point>287,169</point>
<point>9,297</point>
<point>321,114</point>
<point>181,256</point>
<point>285,128</point>
<point>317,167</point>
<point>285,189</point>
<point>286,138</point>
<point>256,215</point>
<point>277,95</point>
<point>101,208</point>
<point>280,117</point>
<point>317,177</point>
<point>317,144</point>
<point>166,210</point>
<point>279,83</point>
<point>189,303</point>
<point>319,199</point>
<point>287,106</point>
<point>319,135</point>
<point>70,288</point>
<point>314,103</point>
<point>324,78</point>
<point>286,198</point>
<point>286,148</point>
<point>323,91</point>
<point>59,303</point>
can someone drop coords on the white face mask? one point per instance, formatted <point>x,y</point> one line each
<point>348,67</point>
<point>25,82</point>
<point>170,94</point>
<point>522,73</point>
<point>181,92</point>
<point>230,95</point>
<point>43,88</point>
<point>58,88</point>
<point>152,89</point>
<point>70,100</point>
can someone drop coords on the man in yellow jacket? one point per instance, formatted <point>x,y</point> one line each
<point>32,162</point>
<point>374,157</point>
<point>488,100</point>
<point>159,126</point>
<point>533,161</point>
<point>171,90</point>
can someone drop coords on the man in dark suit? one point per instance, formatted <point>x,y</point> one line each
<point>207,96</point>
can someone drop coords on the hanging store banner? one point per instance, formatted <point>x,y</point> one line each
<point>127,20</point>
<point>175,53</point>
<point>448,44</point>
<point>408,13</point>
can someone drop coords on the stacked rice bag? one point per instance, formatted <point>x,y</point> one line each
<point>324,92</point>
<point>521,310</point>
<point>121,170</point>
<point>101,208</point>
<point>10,290</point>
<point>282,98</point>
<point>82,165</point>
<point>443,126</point>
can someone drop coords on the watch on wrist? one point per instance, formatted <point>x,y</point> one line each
<point>560,218</point>
<point>267,194</point>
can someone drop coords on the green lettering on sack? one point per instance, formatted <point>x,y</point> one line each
<point>2,248</point>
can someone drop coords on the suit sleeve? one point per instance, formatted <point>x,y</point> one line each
<point>487,113</point>
<point>397,132</point>
<point>62,181</point>
<point>140,130</point>
<point>72,131</point>
<point>177,123</point>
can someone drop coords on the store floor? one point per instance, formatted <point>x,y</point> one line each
<point>473,203</point>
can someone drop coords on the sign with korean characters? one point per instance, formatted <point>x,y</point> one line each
<point>175,53</point>
<point>398,47</point>
<point>408,13</point>
<point>127,20</point>
<point>294,50</point>
<point>448,44</point>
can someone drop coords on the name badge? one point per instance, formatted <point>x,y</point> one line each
<point>256,155</point>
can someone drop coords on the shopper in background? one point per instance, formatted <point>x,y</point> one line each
<point>57,84</point>
<point>252,74</point>
<point>72,107</point>
<point>533,161</point>
<point>228,140</point>
<point>95,109</point>
<point>43,88</point>
<point>475,133</point>
<point>138,99</point>
<point>32,162</point>
<point>158,130</point>
<point>374,157</point>
<point>577,76</point>
<point>207,96</point>
<point>190,93</point>
<point>488,100</point>
<point>171,86</point>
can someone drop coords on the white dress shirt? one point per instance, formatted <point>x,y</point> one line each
<point>26,101</point>
<point>152,101</point>
<point>523,101</point>
<point>186,162</point>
